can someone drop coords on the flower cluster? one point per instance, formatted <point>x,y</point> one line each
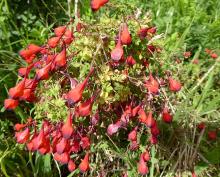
<point>63,139</point>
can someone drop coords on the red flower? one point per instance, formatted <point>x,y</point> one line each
<point>23,136</point>
<point>125,35</point>
<point>10,103</point>
<point>84,165</point>
<point>174,85</point>
<point>117,52</point>
<point>67,128</point>
<point>212,134</point>
<point>60,30</point>
<point>166,116</point>
<point>152,85</point>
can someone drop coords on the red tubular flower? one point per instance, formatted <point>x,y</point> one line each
<point>117,52</point>
<point>113,128</point>
<point>30,144</point>
<point>130,61</point>
<point>142,33</point>
<point>154,130</point>
<point>134,146</point>
<point>193,174</point>
<point>43,73</point>
<point>135,110</point>
<point>125,35</point>
<point>34,48</point>
<point>152,30</point>
<point>174,85</point>
<point>60,30</point>
<point>153,140</point>
<point>60,59</point>
<point>28,95</point>
<point>18,90</point>
<point>62,158</point>
<point>142,167</point>
<point>214,55</point>
<point>146,156</point>
<point>132,136</point>
<point>96,4</point>
<point>22,71</point>
<point>62,145</point>
<point>23,136</point>
<point>84,165</point>
<point>166,116</point>
<point>45,148</point>
<point>85,108</point>
<point>85,142</point>
<point>53,42</point>
<point>10,103</point>
<point>39,140</point>
<point>212,134</point>
<point>67,128</point>
<point>18,127</point>
<point>75,95</point>
<point>142,115</point>
<point>71,165</point>
<point>150,121</point>
<point>201,126</point>
<point>27,55</point>
<point>152,85</point>
<point>75,147</point>
<point>68,37</point>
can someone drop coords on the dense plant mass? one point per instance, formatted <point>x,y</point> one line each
<point>107,82</point>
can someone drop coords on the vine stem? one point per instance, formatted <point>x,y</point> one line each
<point>76,14</point>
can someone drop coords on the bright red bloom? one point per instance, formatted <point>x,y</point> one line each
<point>146,156</point>
<point>130,61</point>
<point>152,85</point>
<point>150,121</point>
<point>67,128</point>
<point>85,142</point>
<point>142,167</point>
<point>132,136</point>
<point>68,37</point>
<point>60,30</point>
<point>10,103</point>
<point>113,128</point>
<point>154,130</point>
<point>18,90</point>
<point>117,52</point>
<point>174,85</point>
<point>96,4</point>
<point>166,116</point>
<point>71,166</point>
<point>187,54</point>
<point>53,42</point>
<point>62,158</point>
<point>201,126</point>
<point>85,108</point>
<point>60,59</point>
<point>23,136</point>
<point>214,55</point>
<point>62,145</point>
<point>43,73</point>
<point>84,165</point>
<point>212,134</point>
<point>125,35</point>
<point>75,95</point>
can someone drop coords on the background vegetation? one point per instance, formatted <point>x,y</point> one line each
<point>187,25</point>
